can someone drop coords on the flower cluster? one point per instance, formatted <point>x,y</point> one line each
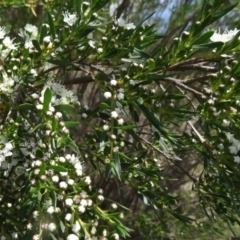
<point>226,36</point>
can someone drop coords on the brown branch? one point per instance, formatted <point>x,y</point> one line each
<point>182,85</point>
<point>198,67</point>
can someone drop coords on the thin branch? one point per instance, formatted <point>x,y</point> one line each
<point>170,159</point>
<point>198,67</point>
<point>178,83</point>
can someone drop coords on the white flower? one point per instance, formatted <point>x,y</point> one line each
<point>76,227</point>
<point>84,202</point>
<point>120,96</point>
<point>69,202</point>
<point>107,95</point>
<point>132,82</point>
<point>100,197</point>
<point>99,50</point>
<point>92,43</point>
<point>81,209</point>
<point>120,121</point>
<point>14,235</point>
<point>31,29</point>
<point>9,43</point>
<point>233,150</point>
<point>220,146</point>
<point>105,127</point>
<point>84,115</point>
<point>88,180</point>
<point>47,39</point>
<point>116,236</point>
<point>113,82</point>
<point>68,18</point>
<point>225,123</point>
<point>237,159</point>
<point>50,210</point>
<point>122,23</point>
<point>55,178</point>
<point>72,237</point>
<point>51,227</point>
<point>63,185</point>
<point>70,181</point>
<point>2,32</point>
<point>226,36</point>
<point>68,217</point>
<point>114,114</point>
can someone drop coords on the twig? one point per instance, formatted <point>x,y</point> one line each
<point>170,159</point>
<point>180,84</point>
<point>198,67</point>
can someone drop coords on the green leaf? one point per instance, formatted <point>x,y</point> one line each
<point>203,38</point>
<point>72,145</point>
<point>57,168</point>
<point>54,124</point>
<point>117,166</point>
<point>78,4</point>
<point>141,53</point>
<point>26,106</point>
<point>52,236</point>
<point>65,108</point>
<point>104,106</point>
<point>43,33</point>
<point>62,226</point>
<point>108,171</point>
<point>39,153</point>
<point>133,113</point>
<point>175,96</point>
<point>47,99</point>
<point>36,45</point>
<point>51,24</point>
<point>208,45</point>
<point>125,127</point>
<point>152,119</point>
<point>98,4</point>
<point>71,124</point>
<point>62,63</point>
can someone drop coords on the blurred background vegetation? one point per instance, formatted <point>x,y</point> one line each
<point>170,18</point>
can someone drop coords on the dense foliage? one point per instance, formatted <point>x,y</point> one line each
<point>88,100</point>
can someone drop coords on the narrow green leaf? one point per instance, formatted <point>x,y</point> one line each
<point>51,24</point>
<point>125,127</point>
<point>36,45</point>
<point>57,168</point>
<point>71,124</point>
<point>26,106</point>
<point>62,226</point>
<point>208,45</point>
<point>72,145</point>
<point>78,4</point>
<point>98,4</point>
<point>54,124</point>
<point>47,99</point>
<point>203,38</point>
<point>141,53</point>
<point>104,106</point>
<point>52,236</point>
<point>117,166</point>
<point>65,108</point>
<point>43,33</point>
<point>108,171</point>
